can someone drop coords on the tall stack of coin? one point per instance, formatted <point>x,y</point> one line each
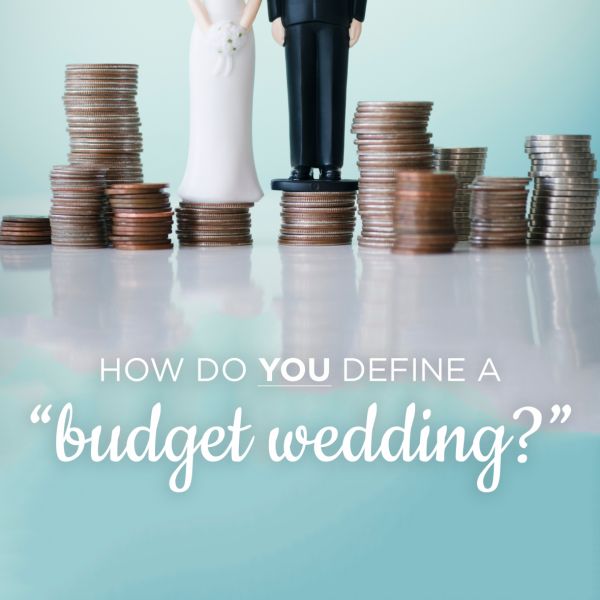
<point>214,225</point>
<point>390,136</point>
<point>423,213</point>
<point>318,218</point>
<point>498,212</point>
<point>24,231</point>
<point>565,195</point>
<point>103,119</point>
<point>78,209</point>
<point>142,216</point>
<point>468,164</point>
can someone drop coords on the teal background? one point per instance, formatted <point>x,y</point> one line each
<point>496,70</point>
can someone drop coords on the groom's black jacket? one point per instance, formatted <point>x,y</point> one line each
<point>333,12</point>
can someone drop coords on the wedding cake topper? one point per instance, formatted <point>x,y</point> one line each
<point>317,35</point>
<point>221,168</point>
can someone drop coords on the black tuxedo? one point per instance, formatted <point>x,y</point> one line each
<point>317,48</point>
<point>334,12</point>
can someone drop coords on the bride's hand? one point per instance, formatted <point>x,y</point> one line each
<point>278,31</point>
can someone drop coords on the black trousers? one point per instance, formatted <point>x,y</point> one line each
<point>317,73</point>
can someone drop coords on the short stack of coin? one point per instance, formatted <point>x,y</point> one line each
<point>498,212</point>
<point>214,225</point>
<point>390,136</point>
<point>468,164</point>
<point>423,213</point>
<point>564,200</point>
<point>142,216</point>
<point>103,119</point>
<point>78,209</point>
<point>25,231</point>
<point>318,218</point>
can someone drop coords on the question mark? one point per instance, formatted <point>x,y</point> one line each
<point>536,416</point>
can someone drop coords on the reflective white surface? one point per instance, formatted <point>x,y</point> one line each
<point>309,530</point>
<point>536,312</point>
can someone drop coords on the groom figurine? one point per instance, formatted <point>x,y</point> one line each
<point>317,35</point>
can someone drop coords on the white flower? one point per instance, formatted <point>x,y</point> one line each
<point>227,38</point>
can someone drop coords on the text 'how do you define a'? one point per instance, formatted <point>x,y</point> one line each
<point>289,371</point>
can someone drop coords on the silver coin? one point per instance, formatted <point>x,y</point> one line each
<point>576,162</point>
<point>559,243</point>
<point>561,228</point>
<point>558,138</point>
<point>566,192</point>
<point>561,155</point>
<point>460,151</point>
<point>586,201</point>
<point>542,208</point>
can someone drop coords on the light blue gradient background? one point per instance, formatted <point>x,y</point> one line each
<point>497,71</point>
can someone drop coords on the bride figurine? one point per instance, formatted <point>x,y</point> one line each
<point>220,166</point>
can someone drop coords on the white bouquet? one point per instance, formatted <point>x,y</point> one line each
<point>227,39</point>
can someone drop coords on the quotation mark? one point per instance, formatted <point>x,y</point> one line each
<point>44,418</point>
<point>560,415</point>
<point>561,411</point>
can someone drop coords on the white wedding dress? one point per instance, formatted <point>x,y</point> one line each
<point>221,164</point>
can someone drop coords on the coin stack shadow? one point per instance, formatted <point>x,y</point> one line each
<point>214,225</point>
<point>25,231</point>
<point>390,136</point>
<point>142,216</point>
<point>467,164</point>
<point>318,218</point>
<point>103,120</point>
<point>565,196</point>
<point>77,216</point>
<point>423,212</point>
<point>498,212</point>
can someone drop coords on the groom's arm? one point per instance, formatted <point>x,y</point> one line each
<point>360,10</point>
<point>275,9</point>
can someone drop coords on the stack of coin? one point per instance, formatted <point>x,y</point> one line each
<point>25,231</point>
<point>564,199</point>
<point>390,136</point>
<point>103,119</point>
<point>142,216</point>
<point>318,218</point>
<point>209,225</point>
<point>468,164</point>
<point>498,212</point>
<point>423,213</point>
<point>78,209</point>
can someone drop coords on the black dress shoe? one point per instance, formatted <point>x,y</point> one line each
<point>301,174</point>
<point>331,174</point>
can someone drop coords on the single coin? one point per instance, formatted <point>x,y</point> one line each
<point>26,219</point>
